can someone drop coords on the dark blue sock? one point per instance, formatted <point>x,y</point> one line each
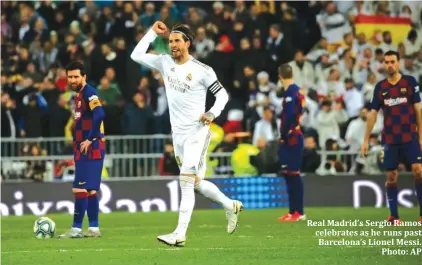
<point>418,188</point>
<point>392,193</point>
<point>297,184</point>
<point>290,194</point>
<point>93,209</point>
<point>81,203</point>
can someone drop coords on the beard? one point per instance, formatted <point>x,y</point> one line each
<point>75,87</point>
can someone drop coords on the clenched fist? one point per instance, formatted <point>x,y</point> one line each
<point>159,27</point>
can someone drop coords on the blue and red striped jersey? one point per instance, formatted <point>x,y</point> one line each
<point>293,107</point>
<point>86,101</point>
<point>397,102</point>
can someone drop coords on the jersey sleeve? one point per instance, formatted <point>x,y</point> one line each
<point>140,55</point>
<point>211,82</point>
<point>98,115</point>
<point>214,86</point>
<point>289,112</point>
<point>375,101</point>
<point>416,98</point>
<point>91,97</point>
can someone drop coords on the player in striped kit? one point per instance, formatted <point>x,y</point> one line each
<point>187,81</point>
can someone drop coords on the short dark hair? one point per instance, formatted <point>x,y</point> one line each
<point>188,34</point>
<point>285,71</point>
<point>391,53</point>
<point>77,65</point>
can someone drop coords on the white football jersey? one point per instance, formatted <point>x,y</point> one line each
<point>186,84</point>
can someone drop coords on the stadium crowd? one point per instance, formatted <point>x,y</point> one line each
<point>244,42</point>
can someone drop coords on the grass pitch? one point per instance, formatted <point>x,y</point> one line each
<point>259,239</point>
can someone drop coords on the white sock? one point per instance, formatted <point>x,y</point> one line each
<point>186,204</point>
<point>209,190</point>
<point>94,228</point>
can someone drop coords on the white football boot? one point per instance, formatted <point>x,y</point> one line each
<point>72,233</point>
<point>172,240</point>
<point>93,232</point>
<point>233,216</point>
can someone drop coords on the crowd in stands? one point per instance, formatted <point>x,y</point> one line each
<point>336,66</point>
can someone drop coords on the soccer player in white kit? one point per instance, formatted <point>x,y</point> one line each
<point>187,81</point>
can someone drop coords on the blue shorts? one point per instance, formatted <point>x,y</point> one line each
<point>290,156</point>
<point>88,174</point>
<point>409,153</point>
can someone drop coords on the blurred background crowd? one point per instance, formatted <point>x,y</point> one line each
<point>335,60</point>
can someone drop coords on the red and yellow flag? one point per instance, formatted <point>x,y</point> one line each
<point>398,26</point>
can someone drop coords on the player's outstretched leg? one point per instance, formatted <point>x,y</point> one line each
<point>392,194</point>
<point>93,210</point>
<point>81,204</point>
<point>232,207</point>
<point>178,237</point>
<point>417,175</point>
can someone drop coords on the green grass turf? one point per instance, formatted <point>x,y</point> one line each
<point>260,239</point>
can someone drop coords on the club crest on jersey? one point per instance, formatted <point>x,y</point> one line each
<point>78,115</point>
<point>189,77</point>
<point>79,104</point>
<point>172,69</point>
<point>403,90</point>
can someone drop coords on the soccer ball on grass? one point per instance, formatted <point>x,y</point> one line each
<point>44,227</point>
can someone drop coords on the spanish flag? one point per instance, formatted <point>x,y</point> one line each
<point>398,26</point>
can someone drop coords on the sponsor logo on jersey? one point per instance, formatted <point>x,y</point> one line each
<point>394,101</point>
<point>177,85</point>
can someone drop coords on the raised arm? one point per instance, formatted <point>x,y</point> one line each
<point>140,55</point>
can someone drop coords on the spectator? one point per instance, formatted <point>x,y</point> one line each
<point>31,118</point>
<point>303,71</point>
<point>368,87</point>
<point>266,161</point>
<point>333,87</point>
<point>408,67</point>
<point>38,32</point>
<point>387,42</point>
<point>353,99</point>
<point>311,160</point>
<point>137,117</point>
<point>356,131</point>
<point>332,164</point>
<point>168,164</point>
<point>203,45</point>
<point>279,45</point>
<point>267,128</point>
<point>36,168</point>
<point>329,120</point>
<point>59,116</point>
<point>332,24</point>
<point>363,67</point>
<point>106,26</point>
<point>149,17</point>
<point>109,95</point>
<point>9,117</point>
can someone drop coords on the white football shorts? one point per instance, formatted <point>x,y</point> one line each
<point>190,150</point>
